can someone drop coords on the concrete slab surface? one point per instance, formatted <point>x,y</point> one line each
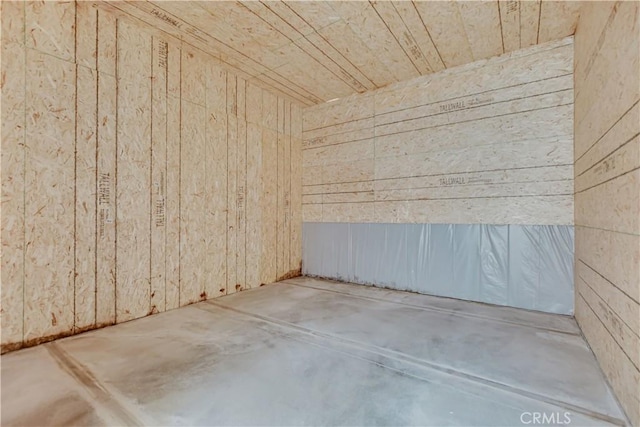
<point>308,351</point>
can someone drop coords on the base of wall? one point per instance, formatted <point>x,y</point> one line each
<point>524,266</point>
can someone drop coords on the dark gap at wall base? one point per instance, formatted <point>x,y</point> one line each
<point>522,266</point>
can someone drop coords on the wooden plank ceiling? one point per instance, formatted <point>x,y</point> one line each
<point>315,51</point>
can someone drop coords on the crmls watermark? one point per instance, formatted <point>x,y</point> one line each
<point>546,418</point>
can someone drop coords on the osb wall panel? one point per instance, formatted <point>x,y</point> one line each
<point>138,175</point>
<point>489,142</point>
<point>607,192</point>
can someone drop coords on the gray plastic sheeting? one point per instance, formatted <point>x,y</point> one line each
<point>514,265</point>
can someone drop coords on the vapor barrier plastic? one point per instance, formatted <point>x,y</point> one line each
<point>515,265</point>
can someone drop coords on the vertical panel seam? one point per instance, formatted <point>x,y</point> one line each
<point>95,232</point>
<point>166,163</point>
<point>75,164</point>
<point>180,185</point>
<point>151,86</point>
<point>24,164</point>
<point>115,196</point>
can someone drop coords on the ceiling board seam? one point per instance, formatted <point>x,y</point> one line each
<point>519,25</point>
<point>429,34</point>
<point>350,84</point>
<point>539,18</point>
<point>232,67</point>
<point>501,27</point>
<point>316,31</point>
<point>414,39</point>
<point>290,39</point>
<point>395,38</point>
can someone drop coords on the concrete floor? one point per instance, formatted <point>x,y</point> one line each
<point>314,352</point>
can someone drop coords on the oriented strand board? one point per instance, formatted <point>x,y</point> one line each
<point>482,139</point>
<point>510,24</point>
<point>482,25</point>
<point>216,182</point>
<point>192,204</point>
<point>281,207</point>
<point>529,22</point>
<point>133,179</point>
<point>105,189</point>
<point>133,206</point>
<point>232,182</point>
<point>49,196</point>
<point>12,182</point>
<point>158,173</point>
<point>106,201</point>
<point>447,31</point>
<point>142,164</point>
<point>388,12</point>
<point>607,192</point>
<point>254,212</point>
<point>106,43</point>
<point>50,28</point>
<point>172,255</point>
<point>86,35</point>
<point>241,206</point>
<point>315,51</point>
<point>85,200</point>
<point>269,203</point>
<point>295,259</point>
<point>557,19</point>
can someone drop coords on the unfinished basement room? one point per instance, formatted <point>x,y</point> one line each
<point>320,213</point>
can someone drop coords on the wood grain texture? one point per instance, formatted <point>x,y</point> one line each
<point>485,142</point>
<point>269,203</point>
<point>85,200</point>
<point>133,166</point>
<point>510,24</point>
<point>216,181</point>
<point>50,28</point>
<point>482,25</point>
<point>49,196</point>
<point>106,162</point>
<point>158,173</point>
<point>607,192</point>
<point>172,269</point>
<point>12,173</point>
<point>232,201</point>
<point>133,178</point>
<point>311,52</point>
<point>192,203</point>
